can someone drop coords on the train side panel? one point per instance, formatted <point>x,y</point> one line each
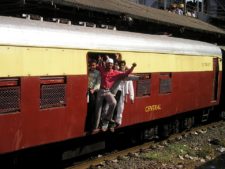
<point>36,68</point>
<point>187,95</point>
<point>32,124</point>
<point>194,80</point>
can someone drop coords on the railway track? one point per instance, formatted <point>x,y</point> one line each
<point>136,149</point>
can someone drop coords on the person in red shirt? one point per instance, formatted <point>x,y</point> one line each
<point>108,77</point>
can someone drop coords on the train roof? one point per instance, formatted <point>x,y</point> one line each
<point>23,32</point>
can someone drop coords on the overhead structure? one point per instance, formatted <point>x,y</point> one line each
<point>119,14</point>
<point>137,11</point>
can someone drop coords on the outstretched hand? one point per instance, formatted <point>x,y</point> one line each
<point>134,65</point>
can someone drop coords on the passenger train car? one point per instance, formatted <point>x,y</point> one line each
<point>44,76</point>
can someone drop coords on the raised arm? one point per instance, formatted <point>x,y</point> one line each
<point>131,69</point>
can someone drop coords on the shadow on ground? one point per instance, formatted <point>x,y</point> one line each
<point>217,163</point>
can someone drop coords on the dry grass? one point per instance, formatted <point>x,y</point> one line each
<point>169,153</point>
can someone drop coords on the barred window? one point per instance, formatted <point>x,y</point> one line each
<point>53,91</point>
<point>165,82</point>
<point>144,85</point>
<point>9,95</point>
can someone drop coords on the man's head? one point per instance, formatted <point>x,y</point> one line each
<point>123,65</point>
<point>118,56</point>
<point>93,64</point>
<point>109,63</point>
<point>116,65</point>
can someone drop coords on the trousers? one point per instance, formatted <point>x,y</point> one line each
<point>110,100</point>
<point>90,111</point>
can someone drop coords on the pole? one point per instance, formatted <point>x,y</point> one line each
<point>185,7</point>
<point>165,1</point>
<point>202,10</point>
<point>197,6</point>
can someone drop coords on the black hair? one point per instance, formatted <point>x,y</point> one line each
<point>93,61</point>
<point>123,62</point>
<point>116,62</point>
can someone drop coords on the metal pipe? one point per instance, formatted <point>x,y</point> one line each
<point>202,10</point>
<point>165,4</point>
<point>197,6</point>
<point>185,7</point>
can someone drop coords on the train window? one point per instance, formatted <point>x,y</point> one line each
<point>165,83</point>
<point>53,91</point>
<point>144,86</point>
<point>9,95</point>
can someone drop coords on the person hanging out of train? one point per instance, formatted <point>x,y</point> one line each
<point>127,88</point>
<point>116,91</point>
<point>100,61</point>
<point>118,58</point>
<point>117,95</point>
<point>108,78</point>
<point>121,89</point>
<point>116,65</point>
<point>94,80</point>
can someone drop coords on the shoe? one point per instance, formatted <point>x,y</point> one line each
<point>105,128</point>
<point>112,124</point>
<point>95,131</point>
<point>117,125</point>
<point>112,129</point>
<point>110,120</point>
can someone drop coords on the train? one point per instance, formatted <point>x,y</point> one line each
<point>44,77</point>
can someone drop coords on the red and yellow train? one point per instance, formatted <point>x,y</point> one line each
<point>43,79</point>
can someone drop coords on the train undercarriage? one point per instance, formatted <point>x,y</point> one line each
<point>64,153</point>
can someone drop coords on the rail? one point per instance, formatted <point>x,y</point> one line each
<point>139,148</point>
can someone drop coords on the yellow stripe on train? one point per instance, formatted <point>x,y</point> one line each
<point>23,61</point>
<point>37,61</point>
<point>156,62</point>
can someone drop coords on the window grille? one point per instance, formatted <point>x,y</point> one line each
<point>165,83</point>
<point>53,92</point>
<point>144,85</point>
<point>9,95</point>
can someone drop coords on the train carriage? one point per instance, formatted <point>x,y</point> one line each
<point>43,78</point>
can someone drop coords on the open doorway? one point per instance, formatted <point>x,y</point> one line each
<point>215,79</point>
<point>94,80</point>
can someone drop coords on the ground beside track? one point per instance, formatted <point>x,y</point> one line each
<point>203,149</point>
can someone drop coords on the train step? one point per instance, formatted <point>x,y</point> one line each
<point>205,115</point>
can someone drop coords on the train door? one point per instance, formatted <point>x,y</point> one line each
<point>215,79</point>
<point>94,79</point>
